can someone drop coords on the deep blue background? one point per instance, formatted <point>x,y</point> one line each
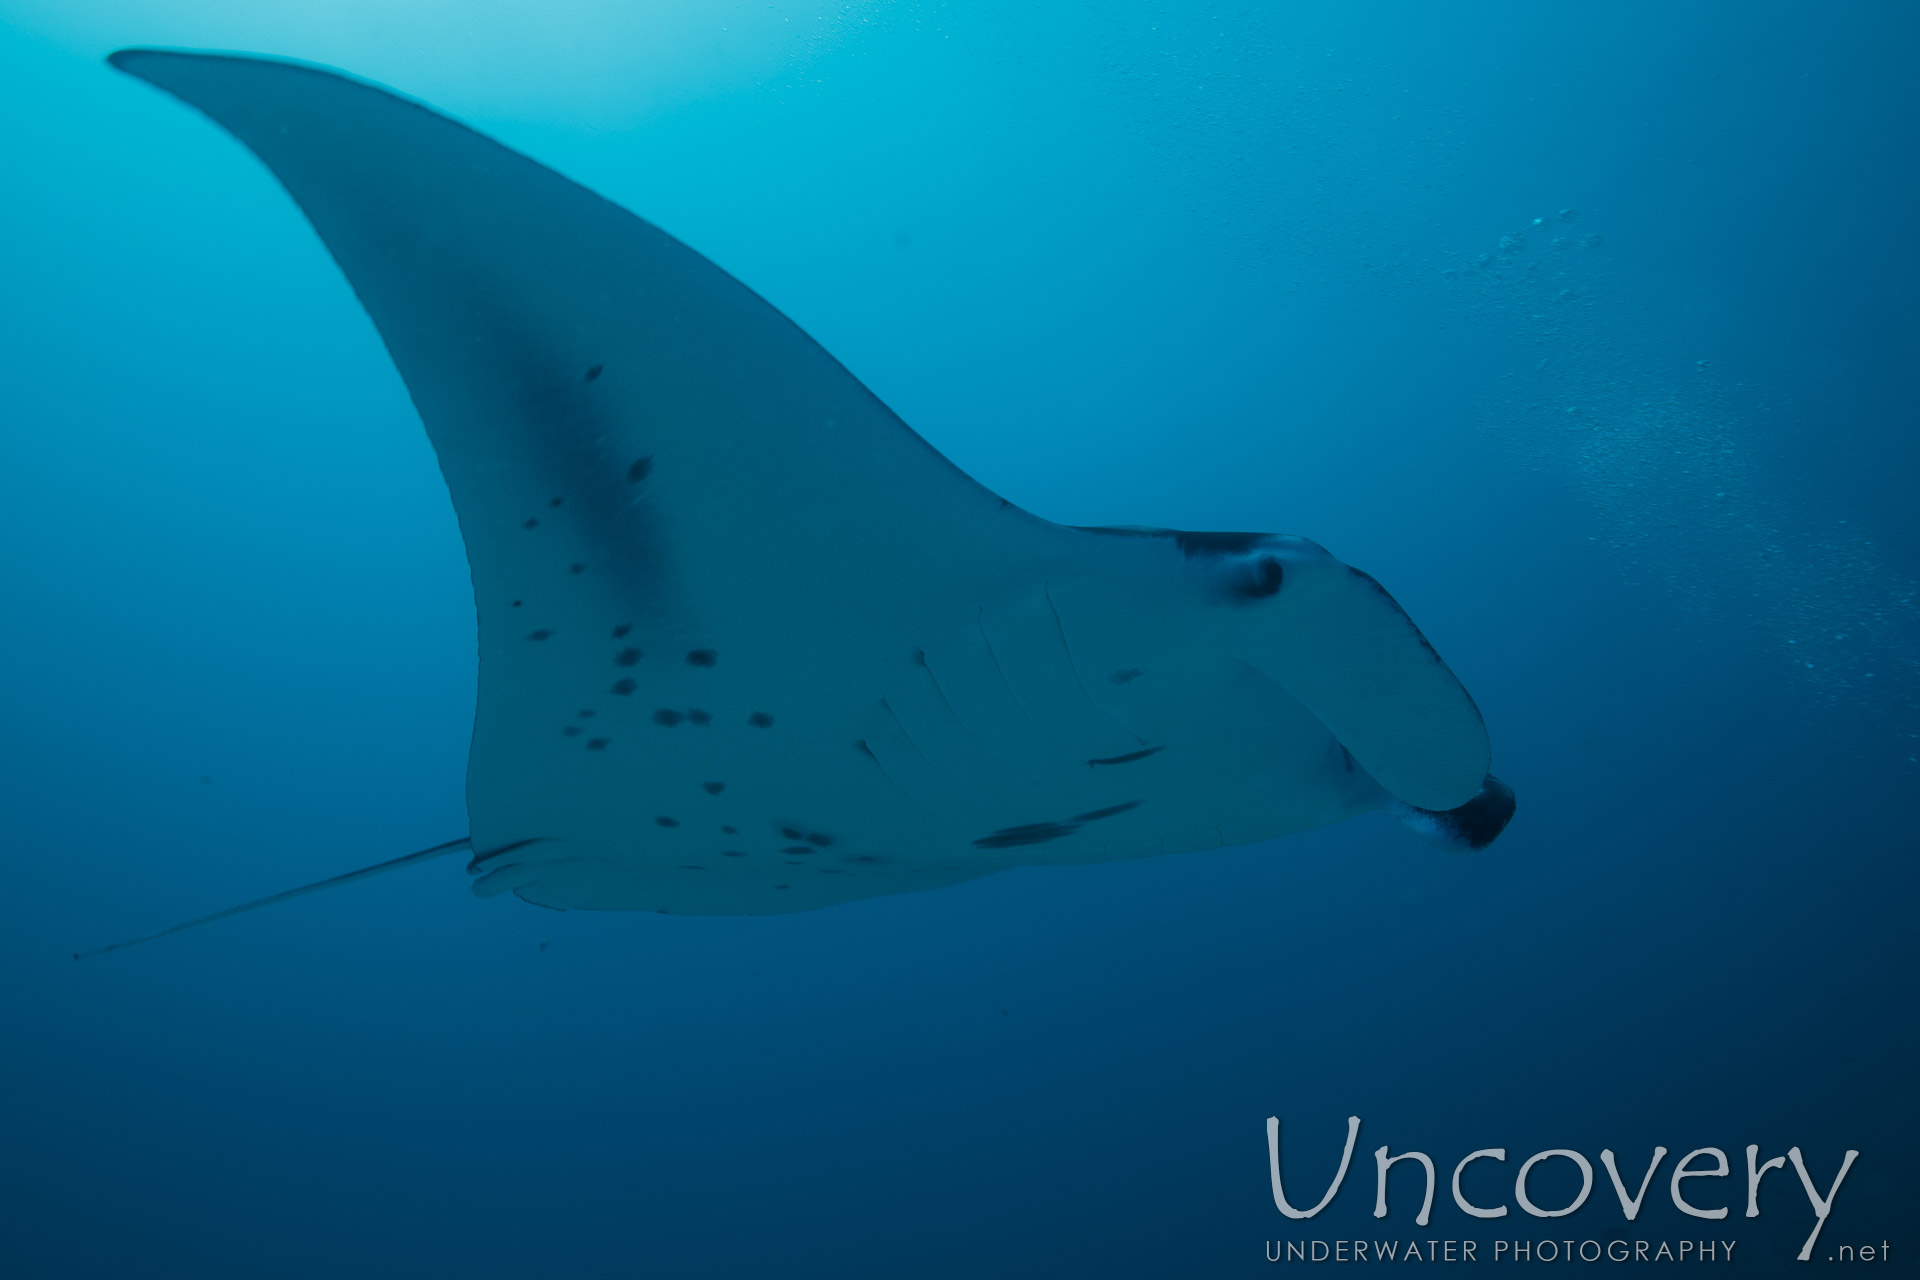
<point>1201,266</point>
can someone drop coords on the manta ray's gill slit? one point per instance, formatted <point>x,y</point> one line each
<point>933,677</point>
<point>980,624</point>
<point>1073,665</point>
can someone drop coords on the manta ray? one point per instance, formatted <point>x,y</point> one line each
<point>748,644</point>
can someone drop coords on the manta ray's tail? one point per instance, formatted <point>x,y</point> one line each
<point>378,868</point>
<point>1473,825</point>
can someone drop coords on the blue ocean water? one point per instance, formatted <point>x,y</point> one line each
<point>1587,330</point>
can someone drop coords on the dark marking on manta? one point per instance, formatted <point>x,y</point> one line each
<point>666,822</point>
<point>554,502</point>
<point>541,634</point>
<point>598,744</point>
<point>691,866</point>
<point>732,853</point>
<point>797,848</point>
<point>627,657</point>
<point>1128,758</point>
<point>531,522</point>
<point>516,604</point>
<point>731,831</point>
<point>698,716</point>
<point>640,470</point>
<point>666,716</point>
<point>594,371</point>
<point>863,857</point>
<point>702,657</point>
<point>761,720</point>
<point>819,840</point>
<point>622,630</point>
<point>1126,675</point>
<point>586,713</point>
<point>783,886</point>
<point>576,568</point>
<point>713,788</point>
<point>571,731</point>
<point>791,833</point>
<point>1107,812</point>
<point>625,687</point>
<point>1030,833</point>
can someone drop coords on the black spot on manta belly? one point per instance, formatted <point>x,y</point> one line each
<point>1126,675</point>
<point>760,720</point>
<point>627,657</point>
<point>530,522</point>
<point>797,849</point>
<point>819,840</point>
<point>586,713</point>
<point>697,716</point>
<point>594,371</point>
<point>702,657</point>
<point>554,502</point>
<point>1128,758</point>
<point>1107,812</point>
<point>541,634</point>
<point>576,568</point>
<point>666,822</point>
<point>732,853</point>
<point>625,687</point>
<point>730,831</point>
<point>640,470</point>
<point>597,744</point>
<point>790,833</point>
<point>621,630</point>
<point>665,716</point>
<point>713,788</point>
<point>571,731</point>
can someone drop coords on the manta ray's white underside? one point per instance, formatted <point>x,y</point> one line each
<point>749,644</point>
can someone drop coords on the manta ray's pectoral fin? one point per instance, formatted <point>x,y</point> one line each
<point>1473,825</point>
